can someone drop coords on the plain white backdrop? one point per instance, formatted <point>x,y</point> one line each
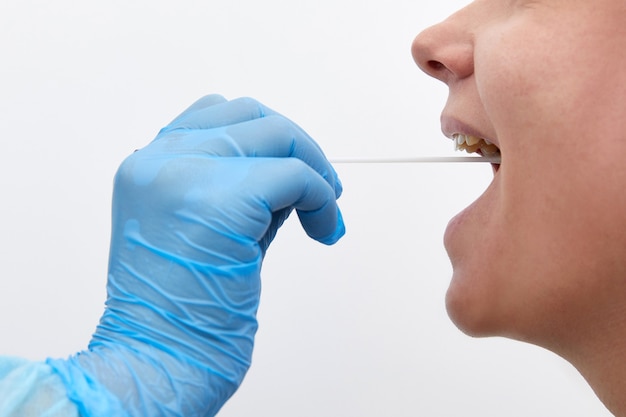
<point>357,329</point>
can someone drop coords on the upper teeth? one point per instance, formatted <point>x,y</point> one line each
<point>471,144</point>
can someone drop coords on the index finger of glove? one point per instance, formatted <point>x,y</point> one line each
<point>278,137</point>
<point>245,127</point>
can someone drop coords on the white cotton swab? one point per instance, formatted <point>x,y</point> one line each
<point>413,159</point>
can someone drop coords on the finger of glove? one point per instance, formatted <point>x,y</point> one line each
<point>295,184</point>
<point>269,137</point>
<point>229,113</point>
<point>221,114</point>
<point>278,137</point>
<point>199,105</point>
<point>254,130</point>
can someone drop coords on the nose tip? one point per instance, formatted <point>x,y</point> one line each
<point>423,55</point>
<point>443,53</point>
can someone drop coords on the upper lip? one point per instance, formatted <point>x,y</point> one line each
<point>451,126</point>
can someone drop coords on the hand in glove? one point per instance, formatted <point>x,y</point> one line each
<point>193,215</point>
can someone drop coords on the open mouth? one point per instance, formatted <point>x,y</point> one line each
<point>474,144</point>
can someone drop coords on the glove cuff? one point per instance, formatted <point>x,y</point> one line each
<point>117,380</point>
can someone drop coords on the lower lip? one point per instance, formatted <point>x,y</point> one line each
<point>453,227</point>
<point>468,213</point>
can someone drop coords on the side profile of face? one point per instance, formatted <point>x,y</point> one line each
<point>541,255</point>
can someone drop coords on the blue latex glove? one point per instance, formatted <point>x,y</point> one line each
<point>193,215</point>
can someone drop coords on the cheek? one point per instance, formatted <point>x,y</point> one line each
<point>517,92</point>
<point>549,82</point>
<point>558,208</point>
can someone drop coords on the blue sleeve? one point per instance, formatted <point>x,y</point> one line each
<point>32,389</point>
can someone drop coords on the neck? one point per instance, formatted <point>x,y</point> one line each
<point>605,373</point>
<point>600,356</point>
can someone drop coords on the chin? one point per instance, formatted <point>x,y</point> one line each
<point>476,313</point>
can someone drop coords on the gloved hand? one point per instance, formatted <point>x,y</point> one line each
<point>193,215</point>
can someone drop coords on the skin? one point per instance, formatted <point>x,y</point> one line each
<point>541,256</point>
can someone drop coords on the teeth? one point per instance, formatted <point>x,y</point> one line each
<point>472,144</point>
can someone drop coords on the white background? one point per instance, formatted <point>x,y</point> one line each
<point>357,329</point>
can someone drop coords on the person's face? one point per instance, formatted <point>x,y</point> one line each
<point>542,253</point>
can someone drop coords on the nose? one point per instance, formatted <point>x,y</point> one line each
<point>445,51</point>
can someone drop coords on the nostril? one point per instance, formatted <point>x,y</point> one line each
<point>435,65</point>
